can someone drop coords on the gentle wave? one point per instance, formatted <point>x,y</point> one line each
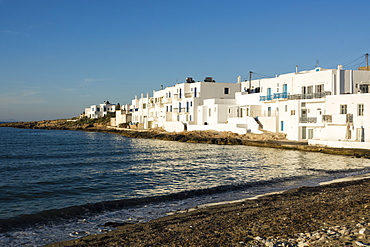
<point>54,215</point>
<point>49,176</point>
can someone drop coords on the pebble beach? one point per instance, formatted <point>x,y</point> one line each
<point>335,214</point>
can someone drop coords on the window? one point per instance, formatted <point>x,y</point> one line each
<point>286,108</point>
<point>360,109</point>
<point>209,112</point>
<point>320,88</point>
<point>343,109</point>
<point>364,88</point>
<point>292,112</point>
<point>282,126</point>
<point>226,90</point>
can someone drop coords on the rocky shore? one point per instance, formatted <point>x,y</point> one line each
<point>337,214</point>
<point>267,139</point>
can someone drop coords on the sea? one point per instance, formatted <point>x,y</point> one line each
<point>58,185</point>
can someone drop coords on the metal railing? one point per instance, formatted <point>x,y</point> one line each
<point>349,118</point>
<point>308,119</point>
<point>274,96</point>
<point>327,118</point>
<point>309,95</point>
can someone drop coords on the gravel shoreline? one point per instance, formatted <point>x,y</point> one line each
<point>336,214</point>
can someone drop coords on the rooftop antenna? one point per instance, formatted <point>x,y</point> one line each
<point>367,61</point>
<point>250,79</point>
<point>317,63</point>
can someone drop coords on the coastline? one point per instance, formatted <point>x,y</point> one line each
<point>334,214</point>
<point>267,139</point>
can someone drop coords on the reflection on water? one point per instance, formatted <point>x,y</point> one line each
<point>43,170</point>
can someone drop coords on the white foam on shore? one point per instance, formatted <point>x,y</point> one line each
<point>346,179</point>
<point>339,180</point>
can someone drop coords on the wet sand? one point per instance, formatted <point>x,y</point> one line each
<point>336,214</point>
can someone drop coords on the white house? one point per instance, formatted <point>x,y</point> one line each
<point>101,110</point>
<point>175,108</point>
<point>323,106</point>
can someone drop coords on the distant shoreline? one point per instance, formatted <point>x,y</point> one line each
<point>268,139</point>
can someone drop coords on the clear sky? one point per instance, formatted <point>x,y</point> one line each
<point>59,56</point>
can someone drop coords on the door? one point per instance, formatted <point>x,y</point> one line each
<point>304,136</point>
<point>310,133</point>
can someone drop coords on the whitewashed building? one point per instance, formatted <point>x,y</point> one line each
<point>175,108</point>
<point>322,106</point>
<point>101,110</point>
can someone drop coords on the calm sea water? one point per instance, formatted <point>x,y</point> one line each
<point>58,185</point>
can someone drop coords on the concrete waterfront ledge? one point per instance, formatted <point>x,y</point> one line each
<point>267,139</point>
<point>336,214</point>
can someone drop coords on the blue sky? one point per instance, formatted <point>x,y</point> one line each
<point>59,56</point>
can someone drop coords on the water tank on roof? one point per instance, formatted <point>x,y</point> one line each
<point>209,79</point>
<point>189,80</point>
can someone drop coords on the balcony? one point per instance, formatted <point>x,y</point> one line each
<point>281,95</point>
<point>309,95</point>
<point>308,119</point>
<point>327,118</point>
<point>274,96</point>
<point>266,98</point>
<point>167,100</point>
<point>349,118</point>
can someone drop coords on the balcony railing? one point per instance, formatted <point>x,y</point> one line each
<point>309,95</point>
<point>308,119</point>
<point>167,100</point>
<point>281,95</point>
<point>266,98</point>
<point>327,118</point>
<point>349,118</point>
<point>274,96</point>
